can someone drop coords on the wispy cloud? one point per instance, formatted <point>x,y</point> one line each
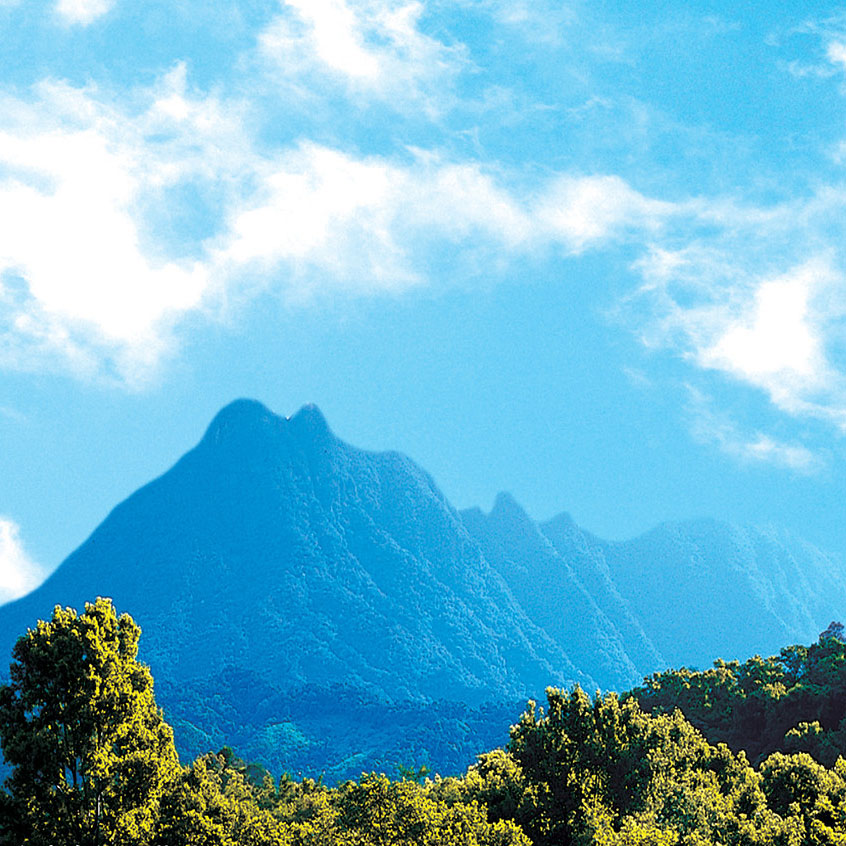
<point>830,56</point>
<point>95,181</point>
<point>780,333</point>
<point>755,293</point>
<point>82,279</point>
<point>373,47</point>
<point>83,12</point>
<point>19,574</point>
<point>539,21</point>
<point>836,53</point>
<point>710,426</point>
<point>775,340</point>
<point>372,221</point>
<point>748,291</point>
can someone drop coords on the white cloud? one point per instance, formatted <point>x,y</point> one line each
<point>319,208</point>
<point>793,456</point>
<point>82,277</point>
<point>538,21</point>
<point>777,333</point>
<point>585,210</point>
<point>776,340</point>
<point>836,53</point>
<point>83,11</point>
<point>374,47</point>
<point>336,37</point>
<point>93,278</point>
<point>830,57</point>
<point>19,574</point>
<point>370,221</point>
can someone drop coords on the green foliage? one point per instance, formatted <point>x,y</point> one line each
<point>793,702</point>
<point>94,763</point>
<point>91,753</point>
<point>217,804</point>
<point>497,782</point>
<point>797,786</point>
<point>375,810</point>
<point>412,773</point>
<point>603,771</point>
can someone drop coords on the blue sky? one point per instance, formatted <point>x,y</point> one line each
<point>590,253</point>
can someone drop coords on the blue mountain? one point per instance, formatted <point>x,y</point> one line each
<point>324,608</point>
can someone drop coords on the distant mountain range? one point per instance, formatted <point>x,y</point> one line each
<point>277,555</point>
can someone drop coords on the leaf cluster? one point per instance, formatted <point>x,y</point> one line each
<point>791,702</point>
<point>603,771</point>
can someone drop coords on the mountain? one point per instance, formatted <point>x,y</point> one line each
<point>586,556</point>
<point>701,589</point>
<point>735,591</point>
<point>548,588</point>
<point>276,548</point>
<point>326,608</point>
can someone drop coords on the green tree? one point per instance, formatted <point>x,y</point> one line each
<point>375,811</point>
<point>603,771</point>
<point>91,754</point>
<point>796,785</point>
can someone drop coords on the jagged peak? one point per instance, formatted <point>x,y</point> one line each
<point>562,522</point>
<point>246,422</point>
<point>240,411</point>
<point>506,508</point>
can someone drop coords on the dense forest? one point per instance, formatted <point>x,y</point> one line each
<point>738,754</point>
<point>325,609</point>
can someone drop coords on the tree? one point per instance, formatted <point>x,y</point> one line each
<point>835,629</point>
<point>379,812</point>
<point>91,752</point>
<point>604,772</point>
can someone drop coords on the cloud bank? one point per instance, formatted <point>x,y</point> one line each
<point>93,279</point>
<point>345,153</point>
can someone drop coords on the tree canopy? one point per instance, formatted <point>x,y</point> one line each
<point>91,753</point>
<point>94,762</point>
<point>791,702</point>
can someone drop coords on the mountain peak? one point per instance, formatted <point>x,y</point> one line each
<point>247,421</point>
<point>561,523</point>
<point>507,510</point>
<point>240,414</point>
<point>309,420</point>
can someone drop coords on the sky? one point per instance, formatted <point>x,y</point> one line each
<point>589,253</point>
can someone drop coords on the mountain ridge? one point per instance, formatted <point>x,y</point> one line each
<point>325,545</point>
<point>275,550</point>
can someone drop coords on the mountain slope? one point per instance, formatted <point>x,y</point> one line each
<point>276,548</point>
<point>332,582</point>
<point>703,589</point>
<point>586,556</point>
<point>552,594</point>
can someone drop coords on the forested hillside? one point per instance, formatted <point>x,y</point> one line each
<point>791,702</point>
<point>94,762</point>
<point>326,609</point>
<point>274,548</point>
